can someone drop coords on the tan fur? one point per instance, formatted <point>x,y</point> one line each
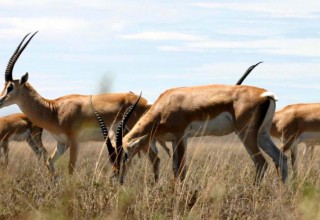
<point>70,118</point>
<point>291,123</point>
<point>170,117</point>
<point>18,127</point>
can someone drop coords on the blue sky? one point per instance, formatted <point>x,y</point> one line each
<point>151,46</point>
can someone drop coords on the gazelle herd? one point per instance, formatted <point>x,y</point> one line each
<point>178,113</point>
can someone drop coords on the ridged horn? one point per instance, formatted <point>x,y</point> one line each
<point>15,56</point>
<point>244,76</point>
<point>104,130</point>
<point>123,124</point>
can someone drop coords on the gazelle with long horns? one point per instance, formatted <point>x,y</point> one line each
<point>122,126</point>
<point>213,110</point>
<point>17,127</point>
<point>69,119</point>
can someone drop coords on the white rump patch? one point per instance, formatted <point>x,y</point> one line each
<point>270,94</point>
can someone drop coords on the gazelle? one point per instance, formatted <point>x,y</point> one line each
<point>295,124</point>
<point>144,146</point>
<point>69,119</point>
<point>214,110</point>
<point>17,127</point>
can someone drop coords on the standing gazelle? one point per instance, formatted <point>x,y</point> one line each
<point>69,119</point>
<point>295,124</point>
<point>216,110</point>
<point>18,127</point>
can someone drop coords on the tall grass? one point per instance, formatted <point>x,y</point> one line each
<point>219,185</point>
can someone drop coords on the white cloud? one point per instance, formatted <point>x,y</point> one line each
<point>299,47</point>
<point>55,27</point>
<point>161,36</point>
<point>284,8</point>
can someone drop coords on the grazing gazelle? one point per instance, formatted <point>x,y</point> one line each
<point>144,146</point>
<point>212,110</point>
<point>216,110</point>
<point>69,119</point>
<point>295,124</point>
<point>17,127</point>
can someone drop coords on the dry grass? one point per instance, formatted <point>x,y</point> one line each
<point>219,185</point>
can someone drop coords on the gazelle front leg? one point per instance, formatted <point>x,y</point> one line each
<point>35,143</point>
<point>179,158</point>
<point>58,152</point>
<point>294,162</point>
<point>73,156</point>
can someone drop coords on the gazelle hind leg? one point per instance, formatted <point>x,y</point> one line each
<point>58,152</point>
<point>250,141</point>
<point>164,146</point>
<point>266,144</point>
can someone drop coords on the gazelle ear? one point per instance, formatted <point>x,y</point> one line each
<point>24,79</point>
<point>137,141</point>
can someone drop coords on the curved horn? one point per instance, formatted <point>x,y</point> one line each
<point>104,130</point>
<point>244,76</point>
<point>8,73</point>
<point>123,124</point>
<point>15,56</point>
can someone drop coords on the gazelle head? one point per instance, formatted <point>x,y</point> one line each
<point>13,89</point>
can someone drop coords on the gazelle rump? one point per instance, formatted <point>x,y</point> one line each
<point>69,118</point>
<point>213,110</point>
<point>295,124</point>
<point>17,127</point>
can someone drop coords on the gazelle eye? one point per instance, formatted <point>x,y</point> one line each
<point>9,88</point>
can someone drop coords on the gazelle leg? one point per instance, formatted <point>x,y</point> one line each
<point>164,146</point>
<point>294,162</point>
<point>73,156</point>
<point>278,157</point>
<point>179,158</point>
<point>250,141</point>
<point>35,142</point>
<point>36,136</point>
<point>58,152</point>
<point>289,143</point>
<point>154,159</point>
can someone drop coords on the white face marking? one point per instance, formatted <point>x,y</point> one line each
<point>218,126</point>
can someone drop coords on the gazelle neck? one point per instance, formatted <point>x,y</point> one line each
<point>39,110</point>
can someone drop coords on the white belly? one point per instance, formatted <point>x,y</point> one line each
<point>93,134</point>
<point>86,134</point>
<point>218,126</point>
<point>309,137</point>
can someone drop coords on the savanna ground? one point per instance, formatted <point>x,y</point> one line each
<point>219,185</point>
